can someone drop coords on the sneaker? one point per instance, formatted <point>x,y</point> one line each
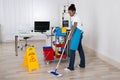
<point>68,70</point>
<point>81,66</point>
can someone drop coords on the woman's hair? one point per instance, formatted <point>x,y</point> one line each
<point>72,7</point>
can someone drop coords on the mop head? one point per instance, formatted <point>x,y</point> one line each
<point>53,72</point>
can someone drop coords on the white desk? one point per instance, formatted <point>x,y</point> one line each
<point>26,34</point>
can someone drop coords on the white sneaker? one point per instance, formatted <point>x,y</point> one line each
<point>79,67</point>
<point>66,69</point>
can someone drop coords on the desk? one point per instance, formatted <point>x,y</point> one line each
<point>25,34</point>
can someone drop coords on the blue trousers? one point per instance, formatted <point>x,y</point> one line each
<point>81,54</point>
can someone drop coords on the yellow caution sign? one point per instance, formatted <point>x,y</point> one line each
<point>64,30</point>
<point>30,59</point>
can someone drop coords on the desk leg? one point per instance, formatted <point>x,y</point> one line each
<point>16,45</point>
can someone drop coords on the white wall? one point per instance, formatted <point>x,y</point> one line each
<point>0,9</point>
<point>0,20</point>
<point>101,20</point>
<point>108,25</point>
<point>21,14</point>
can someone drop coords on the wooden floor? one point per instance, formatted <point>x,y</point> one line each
<point>10,66</point>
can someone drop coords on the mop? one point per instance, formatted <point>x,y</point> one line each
<point>54,72</point>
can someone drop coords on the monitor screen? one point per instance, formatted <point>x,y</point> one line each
<point>41,26</point>
<point>65,23</point>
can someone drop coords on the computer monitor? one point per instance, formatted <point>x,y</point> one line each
<point>41,26</point>
<point>65,23</point>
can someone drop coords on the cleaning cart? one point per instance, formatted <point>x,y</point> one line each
<point>60,39</point>
<point>54,52</point>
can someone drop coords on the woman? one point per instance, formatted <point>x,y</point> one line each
<point>76,39</point>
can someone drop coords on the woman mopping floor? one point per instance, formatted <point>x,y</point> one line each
<point>75,36</point>
<point>76,39</point>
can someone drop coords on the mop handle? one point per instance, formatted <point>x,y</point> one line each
<point>62,53</point>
